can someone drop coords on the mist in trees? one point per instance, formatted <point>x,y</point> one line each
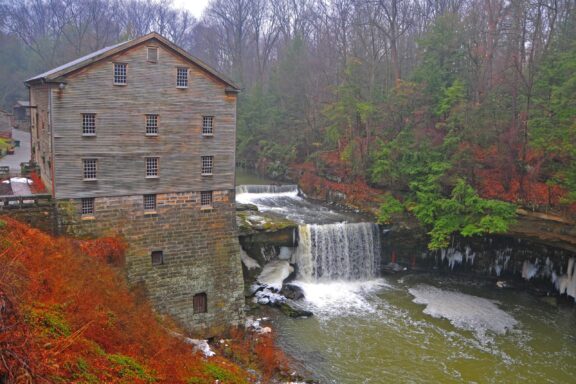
<point>403,90</point>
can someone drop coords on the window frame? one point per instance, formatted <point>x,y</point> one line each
<point>115,75</point>
<point>200,303</point>
<point>206,199</point>
<point>207,158</point>
<point>149,128</point>
<point>209,118</point>
<point>179,79</point>
<point>87,206</point>
<point>86,124</point>
<point>85,171</point>
<point>148,207</point>
<point>157,166</point>
<point>148,54</point>
<point>159,256</point>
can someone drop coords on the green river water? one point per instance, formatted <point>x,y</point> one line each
<point>374,332</point>
<point>424,328</point>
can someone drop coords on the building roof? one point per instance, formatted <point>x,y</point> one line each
<point>22,103</point>
<point>56,74</point>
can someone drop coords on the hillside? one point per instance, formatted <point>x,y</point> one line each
<point>68,315</point>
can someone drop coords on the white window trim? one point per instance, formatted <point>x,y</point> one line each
<point>208,134</point>
<point>114,74</point>
<point>83,170</point>
<point>87,216</point>
<point>187,77</point>
<point>88,134</point>
<point>211,166</point>
<point>157,167</point>
<point>146,124</point>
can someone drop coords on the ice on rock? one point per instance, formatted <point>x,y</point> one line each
<point>567,282</point>
<point>529,270</point>
<point>249,262</point>
<point>274,273</point>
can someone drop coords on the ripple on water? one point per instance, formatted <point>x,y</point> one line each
<point>467,312</point>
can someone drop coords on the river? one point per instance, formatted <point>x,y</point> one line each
<point>426,327</point>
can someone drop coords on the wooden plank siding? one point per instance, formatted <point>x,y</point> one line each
<point>121,144</point>
<point>40,131</point>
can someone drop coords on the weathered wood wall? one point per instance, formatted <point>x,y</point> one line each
<point>40,131</point>
<point>120,144</point>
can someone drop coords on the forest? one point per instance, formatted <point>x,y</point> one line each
<point>455,110</point>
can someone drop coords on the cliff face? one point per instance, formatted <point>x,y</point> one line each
<point>336,185</point>
<point>549,229</point>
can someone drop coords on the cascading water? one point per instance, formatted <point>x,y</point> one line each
<point>286,200</point>
<point>339,251</point>
<point>287,188</point>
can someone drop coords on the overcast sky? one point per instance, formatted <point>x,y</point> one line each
<point>194,6</point>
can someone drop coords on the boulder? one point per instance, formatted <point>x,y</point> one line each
<point>246,207</point>
<point>291,310</point>
<point>292,292</point>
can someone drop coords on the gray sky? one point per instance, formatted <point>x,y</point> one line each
<point>194,6</point>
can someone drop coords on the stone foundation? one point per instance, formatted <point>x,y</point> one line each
<point>200,252</point>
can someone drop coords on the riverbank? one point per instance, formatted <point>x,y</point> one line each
<point>335,184</point>
<point>67,314</point>
<point>471,313</point>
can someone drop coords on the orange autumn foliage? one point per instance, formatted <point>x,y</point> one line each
<point>355,187</point>
<point>68,316</point>
<point>37,183</point>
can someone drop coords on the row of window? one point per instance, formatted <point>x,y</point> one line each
<point>90,167</point>
<point>151,125</point>
<point>149,203</point>
<point>121,75</point>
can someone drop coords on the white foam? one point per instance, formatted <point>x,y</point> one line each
<point>274,273</point>
<point>463,311</point>
<point>259,198</point>
<point>339,298</point>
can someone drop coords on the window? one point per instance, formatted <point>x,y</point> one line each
<point>90,167</point>
<point>152,54</point>
<point>151,125</point>
<point>200,303</point>
<point>207,125</point>
<point>182,78</point>
<point>150,203</point>
<point>157,257</point>
<point>119,73</point>
<point>206,199</point>
<point>89,124</point>
<point>151,167</point>
<point>87,206</point>
<point>207,165</point>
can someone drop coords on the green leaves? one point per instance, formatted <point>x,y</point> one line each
<point>464,212</point>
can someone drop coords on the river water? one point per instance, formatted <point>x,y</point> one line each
<point>411,328</point>
<point>430,328</point>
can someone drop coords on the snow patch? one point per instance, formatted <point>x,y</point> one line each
<point>200,346</point>
<point>18,180</point>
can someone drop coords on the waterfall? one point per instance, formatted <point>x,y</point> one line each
<point>338,252</point>
<point>289,188</point>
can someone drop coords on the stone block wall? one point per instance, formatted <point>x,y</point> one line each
<point>200,252</point>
